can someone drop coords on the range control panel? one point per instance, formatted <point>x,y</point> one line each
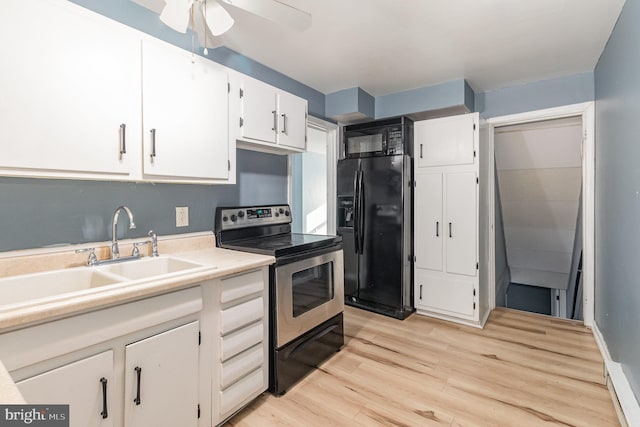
<point>243,217</point>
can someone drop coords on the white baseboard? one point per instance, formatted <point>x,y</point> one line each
<point>624,399</point>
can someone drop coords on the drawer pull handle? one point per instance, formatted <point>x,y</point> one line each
<point>138,375</point>
<point>104,412</point>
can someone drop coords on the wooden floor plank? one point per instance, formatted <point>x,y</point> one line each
<point>522,369</point>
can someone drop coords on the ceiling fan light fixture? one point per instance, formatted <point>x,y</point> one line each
<point>176,14</point>
<point>218,19</point>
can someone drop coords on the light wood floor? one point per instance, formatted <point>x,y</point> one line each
<point>521,370</point>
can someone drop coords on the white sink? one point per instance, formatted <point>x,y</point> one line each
<point>20,289</point>
<point>149,267</point>
<point>54,285</point>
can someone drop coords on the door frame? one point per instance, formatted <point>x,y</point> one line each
<point>586,111</point>
<point>331,130</point>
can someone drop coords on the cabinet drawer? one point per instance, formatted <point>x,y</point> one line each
<point>446,294</point>
<point>241,286</point>
<point>241,315</point>
<point>241,365</point>
<point>242,391</point>
<point>241,340</point>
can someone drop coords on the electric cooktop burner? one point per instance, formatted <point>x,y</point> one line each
<point>265,230</point>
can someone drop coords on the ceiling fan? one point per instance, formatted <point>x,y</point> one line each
<point>178,14</point>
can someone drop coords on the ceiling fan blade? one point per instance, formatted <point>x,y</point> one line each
<point>218,19</point>
<point>176,14</point>
<point>275,11</point>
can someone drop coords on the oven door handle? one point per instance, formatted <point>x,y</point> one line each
<point>303,344</point>
<point>356,213</point>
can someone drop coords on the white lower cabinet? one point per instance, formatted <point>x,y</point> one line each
<point>238,306</point>
<point>85,385</point>
<point>161,379</point>
<point>81,360</point>
<point>191,357</point>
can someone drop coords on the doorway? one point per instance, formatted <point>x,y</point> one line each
<point>312,183</point>
<point>584,114</point>
<point>538,172</point>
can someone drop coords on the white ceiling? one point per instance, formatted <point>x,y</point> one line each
<point>387,46</point>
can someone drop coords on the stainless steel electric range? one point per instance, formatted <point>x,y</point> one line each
<point>306,287</point>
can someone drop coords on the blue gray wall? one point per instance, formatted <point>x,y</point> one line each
<point>617,90</point>
<point>539,95</point>
<point>41,212</point>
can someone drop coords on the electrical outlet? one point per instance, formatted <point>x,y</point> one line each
<point>182,216</point>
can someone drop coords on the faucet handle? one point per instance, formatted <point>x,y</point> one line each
<point>136,251</point>
<point>93,259</point>
<point>154,243</point>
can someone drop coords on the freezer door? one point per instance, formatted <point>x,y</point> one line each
<point>346,221</point>
<point>381,263</point>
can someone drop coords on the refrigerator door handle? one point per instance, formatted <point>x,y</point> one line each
<point>362,212</point>
<point>356,208</point>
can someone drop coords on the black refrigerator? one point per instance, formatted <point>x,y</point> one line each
<point>375,222</point>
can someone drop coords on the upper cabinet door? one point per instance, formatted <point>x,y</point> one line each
<point>185,111</point>
<point>292,121</point>
<point>259,115</point>
<point>446,141</point>
<point>68,81</point>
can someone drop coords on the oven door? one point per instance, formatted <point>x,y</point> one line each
<point>308,292</point>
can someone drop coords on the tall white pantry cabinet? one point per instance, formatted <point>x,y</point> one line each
<point>447,205</point>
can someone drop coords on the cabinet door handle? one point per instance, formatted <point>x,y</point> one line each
<point>275,121</point>
<point>437,228</point>
<point>284,124</point>
<point>104,412</point>
<point>153,144</point>
<point>420,292</point>
<point>123,139</point>
<point>420,150</point>
<point>138,375</point>
<point>450,230</point>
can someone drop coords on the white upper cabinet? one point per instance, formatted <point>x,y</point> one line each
<point>269,119</point>
<point>69,91</point>
<point>259,115</point>
<point>185,114</point>
<point>445,142</point>
<point>292,121</point>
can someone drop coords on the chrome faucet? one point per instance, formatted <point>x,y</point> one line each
<point>115,251</point>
